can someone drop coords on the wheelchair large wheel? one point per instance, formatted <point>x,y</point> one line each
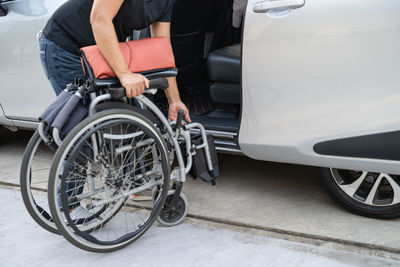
<point>34,173</point>
<point>107,158</point>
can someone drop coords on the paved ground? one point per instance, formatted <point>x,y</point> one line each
<point>285,198</point>
<point>194,243</point>
<point>276,197</point>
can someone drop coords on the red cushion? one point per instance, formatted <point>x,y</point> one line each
<point>141,55</point>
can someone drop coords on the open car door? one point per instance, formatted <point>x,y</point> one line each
<point>320,71</point>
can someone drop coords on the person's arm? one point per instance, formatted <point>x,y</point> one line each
<point>162,29</point>
<point>101,17</point>
<point>239,7</point>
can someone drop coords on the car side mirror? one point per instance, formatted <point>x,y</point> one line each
<point>3,9</point>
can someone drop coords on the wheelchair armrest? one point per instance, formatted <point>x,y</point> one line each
<point>151,75</point>
<point>161,74</point>
<point>119,92</point>
<point>108,82</point>
<point>160,83</point>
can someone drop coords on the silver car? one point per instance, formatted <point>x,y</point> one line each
<point>310,82</point>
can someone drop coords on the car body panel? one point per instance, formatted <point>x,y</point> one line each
<point>3,120</point>
<point>320,72</point>
<point>327,70</point>
<point>25,91</point>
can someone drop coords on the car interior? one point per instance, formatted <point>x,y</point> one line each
<point>207,52</point>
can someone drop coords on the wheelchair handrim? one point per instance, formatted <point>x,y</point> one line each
<point>72,234</point>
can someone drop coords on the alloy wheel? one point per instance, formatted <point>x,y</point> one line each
<point>370,188</point>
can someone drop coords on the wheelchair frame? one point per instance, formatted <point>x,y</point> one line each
<point>175,132</point>
<point>183,170</point>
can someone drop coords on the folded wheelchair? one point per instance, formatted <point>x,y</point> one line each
<point>117,161</point>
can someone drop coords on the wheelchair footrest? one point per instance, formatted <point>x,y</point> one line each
<point>200,167</point>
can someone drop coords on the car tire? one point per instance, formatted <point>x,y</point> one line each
<point>339,189</point>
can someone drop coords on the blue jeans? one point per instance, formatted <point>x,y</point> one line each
<point>60,67</point>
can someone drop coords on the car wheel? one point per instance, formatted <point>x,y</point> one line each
<point>371,194</point>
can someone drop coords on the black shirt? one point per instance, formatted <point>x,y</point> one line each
<point>70,28</point>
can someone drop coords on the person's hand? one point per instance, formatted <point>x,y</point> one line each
<point>174,108</point>
<point>134,83</point>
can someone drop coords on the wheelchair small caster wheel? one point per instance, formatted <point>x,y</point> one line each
<point>173,215</point>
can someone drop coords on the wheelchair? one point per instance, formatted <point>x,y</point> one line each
<point>117,159</point>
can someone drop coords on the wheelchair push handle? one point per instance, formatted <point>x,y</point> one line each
<point>119,92</point>
<point>67,109</point>
<point>160,83</point>
<point>64,114</point>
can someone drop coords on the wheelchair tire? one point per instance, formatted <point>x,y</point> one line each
<point>37,207</point>
<point>37,203</point>
<point>172,216</point>
<point>113,180</point>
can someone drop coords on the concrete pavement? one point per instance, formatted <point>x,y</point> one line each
<point>193,243</point>
<point>279,198</point>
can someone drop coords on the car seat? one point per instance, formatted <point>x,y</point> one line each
<point>224,72</point>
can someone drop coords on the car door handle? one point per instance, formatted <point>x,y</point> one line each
<point>265,6</point>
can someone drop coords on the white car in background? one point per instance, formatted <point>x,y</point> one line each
<point>312,82</point>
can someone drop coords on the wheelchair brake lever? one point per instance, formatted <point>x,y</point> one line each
<point>178,123</point>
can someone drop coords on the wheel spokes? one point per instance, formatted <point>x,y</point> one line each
<point>395,187</point>
<point>129,165</point>
<point>352,188</point>
<point>373,192</point>
<point>369,188</point>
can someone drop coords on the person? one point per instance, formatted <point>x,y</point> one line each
<point>239,7</point>
<point>79,23</point>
